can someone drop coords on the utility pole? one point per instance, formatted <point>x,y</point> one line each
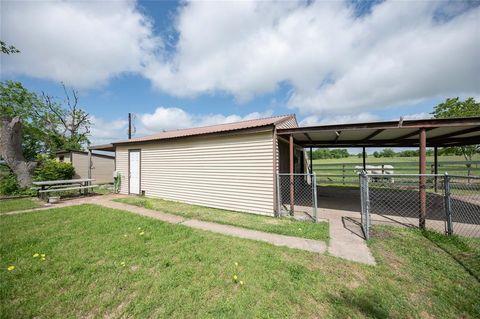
<point>129,125</point>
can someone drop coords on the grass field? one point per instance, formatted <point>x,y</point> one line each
<point>9,205</point>
<point>343,172</point>
<point>281,226</point>
<point>98,265</point>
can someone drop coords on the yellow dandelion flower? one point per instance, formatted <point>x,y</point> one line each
<point>236,264</point>
<point>42,259</point>
<point>235,277</point>
<point>299,229</point>
<point>10,268</point>
<point>241,283</point>
<point>139,228</point>
<point>42,255</point>
<point>125,235</point>
<point>142,233</point>
<point>122,263</point>
<point>35,255</point>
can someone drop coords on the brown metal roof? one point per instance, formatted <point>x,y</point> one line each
<point>220,128</point>
<point>440,132</point>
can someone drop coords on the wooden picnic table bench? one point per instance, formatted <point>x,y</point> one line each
<point>64,185</point>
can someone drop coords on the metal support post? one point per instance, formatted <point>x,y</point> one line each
<point>448,205</point>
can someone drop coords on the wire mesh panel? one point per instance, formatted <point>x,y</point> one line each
<point>449,204</point>
<point>297,195</point>
<point>464,201</point>
<point>406,198</point>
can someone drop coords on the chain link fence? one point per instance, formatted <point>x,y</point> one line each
<point>297,195</point>
<point>463,198</point>
<point>449,204</point>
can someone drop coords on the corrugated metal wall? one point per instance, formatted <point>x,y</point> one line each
<point>230,172</point>
<point>290,123</point>
<point>102,169</point>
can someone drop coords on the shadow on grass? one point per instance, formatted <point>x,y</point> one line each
<point>465,251</point>
<point>370,305</point>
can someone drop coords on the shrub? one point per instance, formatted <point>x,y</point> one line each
<point>8,185</point>
<point>50,169</point>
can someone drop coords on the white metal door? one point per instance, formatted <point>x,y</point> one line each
<point>134,172</point>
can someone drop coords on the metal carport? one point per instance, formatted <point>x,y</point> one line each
<point>403,133</point>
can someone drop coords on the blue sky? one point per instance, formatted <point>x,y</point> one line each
<point>177,65</point>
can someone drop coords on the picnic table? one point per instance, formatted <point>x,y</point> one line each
<point>81,184</point>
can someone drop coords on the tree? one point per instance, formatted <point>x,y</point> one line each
<point>70,124</point>
<point>388,152</point>
<point>6,49</point>
<point>454,107</point>
<point>11,150</point>
<point>31,125</point>
<point>19,129</point>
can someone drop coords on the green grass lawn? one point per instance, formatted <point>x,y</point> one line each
<point>283,226</point>
<point>98,265</point>
<point>9,205</point>
<point>342,171</point>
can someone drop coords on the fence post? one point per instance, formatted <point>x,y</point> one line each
<point>343,174</point>
<point>362,200</point>
<point>367,207</point>
<point>314,183</point>
<point>365,203</point>
<point>448,204</point>
<point>279,196</point>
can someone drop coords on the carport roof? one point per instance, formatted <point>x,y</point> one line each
<point>402,133</point>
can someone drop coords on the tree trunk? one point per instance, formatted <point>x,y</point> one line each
<point>11,150</point>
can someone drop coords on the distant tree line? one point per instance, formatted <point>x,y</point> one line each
<point>325,153</point>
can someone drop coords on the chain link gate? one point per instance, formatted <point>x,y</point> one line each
<point>297,195</point>
<point>365,204</point>
<point>450,204</point>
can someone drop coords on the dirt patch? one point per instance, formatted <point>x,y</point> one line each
<point>380,233</point>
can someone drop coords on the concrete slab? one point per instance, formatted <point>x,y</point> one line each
<point>346,239</point>
<point>311,245</point>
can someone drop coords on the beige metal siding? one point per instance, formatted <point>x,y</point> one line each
<point>102,169</point>
<point>290,123</point>
<point>66,157</point>
<point>121,156</point>
<point>80,163</point>
<point>230,172</point>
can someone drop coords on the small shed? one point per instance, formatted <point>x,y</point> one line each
<point>102,165</point>
<point>229,166</point>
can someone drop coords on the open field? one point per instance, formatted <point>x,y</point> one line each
<point>283,226</point>
<point>8,205</point>
<point>97,264</point>
<point>343,172</point>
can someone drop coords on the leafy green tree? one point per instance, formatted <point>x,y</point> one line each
<point>31,125</point>
<point>8,49</point>
<point>16,100</point>
<point>454,107</point>
<point>388,152</point>
<point>49,125</point>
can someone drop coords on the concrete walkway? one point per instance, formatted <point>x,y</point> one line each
<point>345,236</point>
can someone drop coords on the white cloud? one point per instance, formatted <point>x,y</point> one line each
<point>333,60</point>
<point>105,131</point>
<point>313,120</point>
<point>82,43</point>
<point>170,118</point>
<point>163,118</point>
